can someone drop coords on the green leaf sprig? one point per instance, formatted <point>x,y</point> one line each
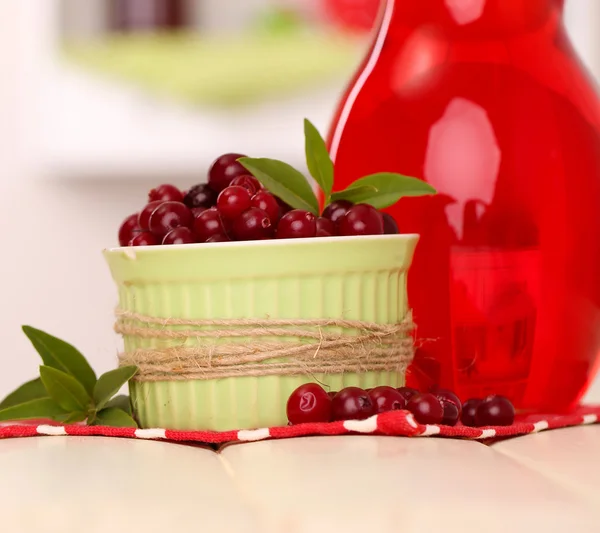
<point>381,190</point>
<point>67,390</point>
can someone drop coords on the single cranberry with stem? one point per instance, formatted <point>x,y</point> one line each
<point>390,226</point>
<point>165,193</point>
<point>144,217</point>
<point>168,216</point>
<point>309,403</point>
<point>207,224</point>
<point>179,236</point>
<point>495,411</point>
<point>224,170</point>
<point>469,408</point>
<point>386,399</point>
<point>352,403</point>
<point>129,229</point>
<point>200,196</point>
<point>426,408</point>
<point>144,238</point>
<point>219,237</point>
<point>233,201</point>
<point>297,224</point>
<point>407,392</point>
<point>268,203</point>
<point>248,182</point>
<point>336,210</point>
<point>361,219</point>
<point>325,228</point>
<point>253,224</point>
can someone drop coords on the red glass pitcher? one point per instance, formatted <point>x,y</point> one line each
<point>487,101</point>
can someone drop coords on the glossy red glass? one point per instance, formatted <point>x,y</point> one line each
<point>487,101</point>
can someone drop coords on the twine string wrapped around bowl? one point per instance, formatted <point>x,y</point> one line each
<point>207,349</point>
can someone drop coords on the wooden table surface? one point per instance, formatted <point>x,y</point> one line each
<point>547,482</point>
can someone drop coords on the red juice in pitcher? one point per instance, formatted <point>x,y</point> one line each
<point>487,101</point>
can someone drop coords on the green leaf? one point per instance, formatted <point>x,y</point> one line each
<point>39,408</point>
<point>59,354</point>
<point>113,416</point>
<point>75,417</point>
<point>354,194</point>
<point>64,389</point>
<point>32,390</point>
<point>283,181</point>
<point>122,402</point>
<point>110,383</point>
<point>318,160</point>
<point>390,188</point>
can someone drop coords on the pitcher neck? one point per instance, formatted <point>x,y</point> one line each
<point>477,18</point>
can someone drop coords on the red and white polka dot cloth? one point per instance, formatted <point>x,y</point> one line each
<point>394,423</point>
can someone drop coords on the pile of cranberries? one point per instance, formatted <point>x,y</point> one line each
<point>310,403</point>
<point>233,206</point>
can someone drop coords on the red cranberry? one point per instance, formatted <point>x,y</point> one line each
<point>219,237</point>
<point>165,193</point>
<point>128,230</point>
<point>207,224</point>
<point>495,411</point>
<point>143,239</point>
<point>168,216</point>
<point>446,394</point>
<point>362,219</point>
<point>268,203</point>
<point>179,236</point>
<point>196,211</point>
<point>352,403</point>
<point>390,226</point>
<point>200,196</point>
<point>336,210</point>
<point>451,405</point>
<point>297,224</point>
<point>250,183</point>
<point>451,413</point>
<point>283,207</point>
<point>224,170</point>
<point>144,218</point>
<point>228,225</point>
<point>253,224</point>
<point>386,399</point>
<point>325,228</point>
<point>309,403</point>
<point>407,392</point>
<point>233,201</point>
<point>469,409</point>
<point>426,408</point>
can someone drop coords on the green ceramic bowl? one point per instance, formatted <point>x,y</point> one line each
<point>355,278</point>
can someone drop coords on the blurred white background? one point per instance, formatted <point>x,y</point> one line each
<point>78,154</point>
